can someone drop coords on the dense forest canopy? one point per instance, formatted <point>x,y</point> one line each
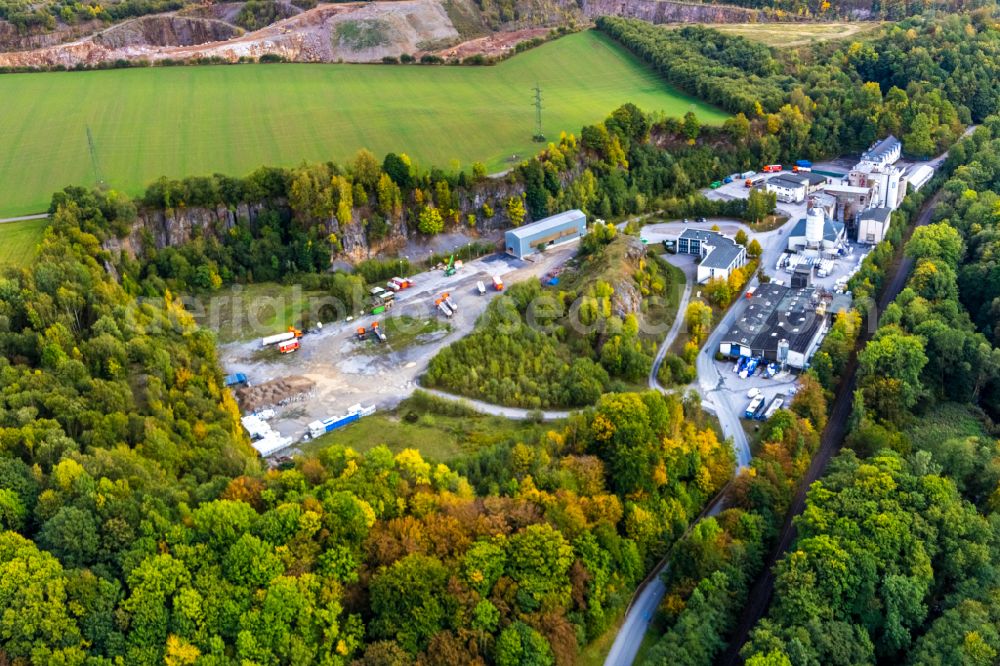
<point>896,551</point>
<point>138,526</point>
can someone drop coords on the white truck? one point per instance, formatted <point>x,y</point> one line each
<point>277,338</point>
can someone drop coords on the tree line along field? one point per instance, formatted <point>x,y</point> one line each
<point>230,119</point>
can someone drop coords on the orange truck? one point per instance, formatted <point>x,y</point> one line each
<point>497,283</point>
<point>288,347</point>
<point>772,168</point>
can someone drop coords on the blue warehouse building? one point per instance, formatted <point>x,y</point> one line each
<point>560,228</point>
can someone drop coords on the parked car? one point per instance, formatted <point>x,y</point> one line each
<point>727,180</point>
<point>701,219</point>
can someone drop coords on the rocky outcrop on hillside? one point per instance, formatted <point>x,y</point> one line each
<point>627,299</point>
<point>13,40</point>
<point>669,11</point>
<point>347,32</point>
<point>166,31</point>
<point>167,228</point>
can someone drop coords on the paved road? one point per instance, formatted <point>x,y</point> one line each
<point>675,328</point>
<point>24,218</point>
<point>830,443</point>
<point>716,400</point>
<point>647,599</point>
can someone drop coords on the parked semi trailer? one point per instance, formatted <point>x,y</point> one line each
<point>754,405</point>
<point>277,338</point>
<point>443,307</point>
<point>481,287</point>
<point>773,407</point>
<point>317,428</point>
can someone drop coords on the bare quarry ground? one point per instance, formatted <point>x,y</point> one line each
<point>333,370</point>
<point>496,44</point>
<point>348,32</point>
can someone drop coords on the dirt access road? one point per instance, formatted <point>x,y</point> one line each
<point>346,372</point>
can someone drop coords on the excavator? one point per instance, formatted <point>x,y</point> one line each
<point>449,268</point>
<point>377,332</point>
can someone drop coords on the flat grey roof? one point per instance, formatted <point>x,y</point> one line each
<point>722,256</point>
<point>724,249</point>
<point>786,181</point>
<point>776,312</point>
<point>831,229</point>
<point>548,223</point>
<point>877,214</point>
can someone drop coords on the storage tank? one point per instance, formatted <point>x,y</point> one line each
<point>783,350</point>
<point>814,227</point>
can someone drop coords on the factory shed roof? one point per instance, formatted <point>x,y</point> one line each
<point>547,224</point>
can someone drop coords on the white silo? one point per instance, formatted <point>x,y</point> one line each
<point>815,219</point>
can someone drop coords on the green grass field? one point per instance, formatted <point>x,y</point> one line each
<point>787,35</point>
<point>20,241</point>
<point>438,437</point>
<point>230,119</point>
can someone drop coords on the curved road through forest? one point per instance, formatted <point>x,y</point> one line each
<point>710,385</point>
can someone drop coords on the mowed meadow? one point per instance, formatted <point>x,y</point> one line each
<point>180,121</point>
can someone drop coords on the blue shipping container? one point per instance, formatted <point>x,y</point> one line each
<point>803,163</point>
<point>233,380</point>
<point>333,424</point>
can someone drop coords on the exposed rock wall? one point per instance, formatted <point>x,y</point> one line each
<point>668,11</point>
<point>167,228</point>
<point>166,31</point>
<point>12,40</point>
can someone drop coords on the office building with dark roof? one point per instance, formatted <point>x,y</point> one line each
<point>719,254</point>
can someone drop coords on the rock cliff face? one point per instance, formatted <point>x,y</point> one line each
<point>12,40</point>
<point>167,228</point>
<point>668,11</point>
<point>166,31</point>
<point>627,298</point>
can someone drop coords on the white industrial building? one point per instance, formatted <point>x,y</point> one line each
<point>919,175</point>
<point>795,187</point>
<point>873,225</point>
<point>886,182</point>
<point>883,153</point>
<point>816,232</point>
<point>787,189</point>
<point>265,440</point>
<point>780,324</point>
<point>719,254</point>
